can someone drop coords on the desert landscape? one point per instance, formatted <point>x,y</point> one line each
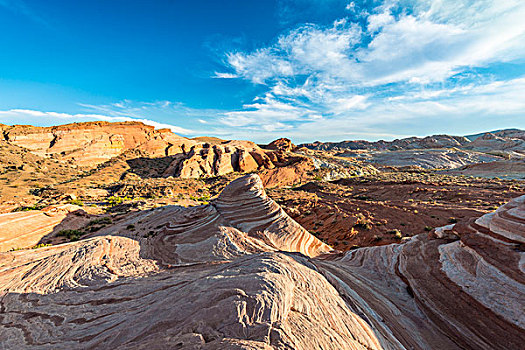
<point>320,245</point>
<point>277,175</point>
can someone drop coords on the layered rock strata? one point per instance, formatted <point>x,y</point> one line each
<point>240,274</point>
<point>92,143</point>
<point>25,229</point>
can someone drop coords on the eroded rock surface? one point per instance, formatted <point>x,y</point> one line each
<point>241,274</point>
<point>92,143</point>
<point>25,229</point>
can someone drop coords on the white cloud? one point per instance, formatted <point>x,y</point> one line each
<point>439,39</point>
<point>219,75</point>
<point>32,117</point>
<point>399,67</point>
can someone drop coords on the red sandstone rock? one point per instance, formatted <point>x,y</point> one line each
<point>214,160</point>
<point>282,145</point>
<point>25,229</point>
<point>89,144</point>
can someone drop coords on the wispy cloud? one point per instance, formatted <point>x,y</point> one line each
<point>32,117</point>
<point>393,69</point>
<point>397,61</point>
<point>20,7</point>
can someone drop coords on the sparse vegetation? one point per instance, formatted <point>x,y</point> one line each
<point>396,233</point>
<point>71,235</point>
<point>100,221</point>
<point>28,208</point>
<point>77,202</point>
<point>363,222</point>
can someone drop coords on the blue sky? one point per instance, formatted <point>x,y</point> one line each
<point>304,69</point>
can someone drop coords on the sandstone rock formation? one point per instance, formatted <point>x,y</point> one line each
<point>275,166</point>
<point>504,169</point>
<point>435,141</point>
<point>25,229</point>
<point>89,144</point>
<point>240,274</point>
<point>282,145</point>
<point>460,287</point>
<point>427,158</point>
<point>502,142</point>
<point>214,160</point>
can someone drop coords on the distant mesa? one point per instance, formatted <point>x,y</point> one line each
<point>92,143</point>
<point>511,136</point>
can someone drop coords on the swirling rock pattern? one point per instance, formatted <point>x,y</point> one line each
<point>25,229</point>
<point>240,274</point>
<point>460,287</point>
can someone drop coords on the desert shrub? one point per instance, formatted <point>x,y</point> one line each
<point>28,208</point>
<point>428,228</point>
<point>397,234</point>
<point>72,235</point>
<point>77,202</point>
<point>115,200</point>
<point>363,222</point>
<point>130,227</point>
<point>452,220</point>
<point>100,221</point>
<point>41,245</point>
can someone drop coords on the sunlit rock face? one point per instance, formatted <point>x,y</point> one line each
<point>461,286</point>
<point>92,143</point>
<point>25,229</point>
<point>214,160</point>
<point>239,273</point>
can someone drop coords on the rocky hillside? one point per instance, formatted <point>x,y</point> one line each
<point>98,144</point>
<point>503,140</point>
<point>427,159</point>
<point>239,273</point>
<point>436,141</point>
<point>92,143</point>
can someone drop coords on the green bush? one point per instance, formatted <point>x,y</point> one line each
<point>28,208</point>
<point>77,202</point>
<point>100,221</point>
<point>115,200</point>
<point>72,235</point>
<point>397,234</point>
<point>41,245</point>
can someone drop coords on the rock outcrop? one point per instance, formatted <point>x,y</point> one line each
<point>214,160</point>
<point>426,158</point>
<point>503,169</point>
<point>502,141</point>
<point>499,142</point>
<point>25,229</point>
<point>282,145</point>
<point>435,141</point>
<point>92,143</point>
<point>275,166</point>
<point>240,274</point>
<point>460,287</point>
